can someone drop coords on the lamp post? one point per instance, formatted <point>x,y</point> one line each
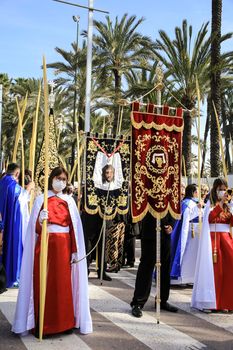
<point>89,67</point>
<point>90,9</point>
<point>75,119</point>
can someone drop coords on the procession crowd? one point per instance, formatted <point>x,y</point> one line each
<point>196,250</point>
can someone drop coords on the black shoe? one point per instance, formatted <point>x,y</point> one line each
<point>136,311</point>
<point>105,277</point>
<point>3,290</point>
<point>168,307</point>
<point>207,311</point>
<point>127,265</point>
<point>114,268</point>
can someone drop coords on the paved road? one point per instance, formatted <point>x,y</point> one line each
<point>116,328</point>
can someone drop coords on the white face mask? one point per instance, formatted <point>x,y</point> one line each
<point>220,194</point>
<point>58,185</point>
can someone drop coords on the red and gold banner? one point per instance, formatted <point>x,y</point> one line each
<point>156,161</point>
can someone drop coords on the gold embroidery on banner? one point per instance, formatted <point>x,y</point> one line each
<point>96,203</point>
<point>124,149</point>
<point>157,170</point>
<point>92,146</point>
<point>156,126</point>
<point>158,215</point>
<point>92,199</point>
<point>53,155</point>
<point>122,200</point>
<point>139,125</point>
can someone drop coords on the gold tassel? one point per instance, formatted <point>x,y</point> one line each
<point>215,253</point>
<point>215,256</point>
<point>192,231</point>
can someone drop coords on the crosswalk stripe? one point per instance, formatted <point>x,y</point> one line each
<point>58,342</point>
<point>182,301</point>
<point>110,303</point>
<point>145,330</point>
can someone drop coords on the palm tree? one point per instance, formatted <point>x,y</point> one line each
<point>215,85</point>
<point>141,81</point>
<point>70,74</point>
<point>8,116</point>
<point>226,118</point>
<point>19,87</point>
<point>185,60</point>
<point>120,49</point>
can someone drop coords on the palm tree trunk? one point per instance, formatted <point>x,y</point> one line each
<point>226,133</point>
<point>215,86</point>
<point>117,97</point>
<point>207,126</point>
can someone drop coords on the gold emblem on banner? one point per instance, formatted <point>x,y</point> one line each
<point>92,199</point>
<point>122,200</point>
<point>92,146</point>
<point>157,159</point>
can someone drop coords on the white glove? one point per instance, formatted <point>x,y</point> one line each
<point>74,258</point>
<point>44,215</point>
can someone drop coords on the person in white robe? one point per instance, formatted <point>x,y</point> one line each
<point>24,319</point>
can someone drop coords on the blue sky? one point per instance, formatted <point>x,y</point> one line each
<point>33,28</point>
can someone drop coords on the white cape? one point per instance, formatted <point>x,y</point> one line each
<point>24,199</point>
<point>24,315</point>
<point>203,296</point>
<point>189,245</point>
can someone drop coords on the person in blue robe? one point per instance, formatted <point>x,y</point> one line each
<point>185,239</point>
<point>2,270</point>
<point>12,222</point>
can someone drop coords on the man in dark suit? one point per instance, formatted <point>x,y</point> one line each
<point>147,263</point>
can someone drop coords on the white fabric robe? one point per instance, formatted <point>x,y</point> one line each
<point>189,245</point>
<point>24,199</point>
<point>203,296</point>
<point>24,315</point>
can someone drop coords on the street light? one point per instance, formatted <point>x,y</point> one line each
<point>75,121</point>
<point>76,18</point>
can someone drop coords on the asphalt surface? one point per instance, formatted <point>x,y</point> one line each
<point>116,328</point>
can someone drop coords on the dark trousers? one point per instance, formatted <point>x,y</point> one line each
<point>92,225</point>
<point>146,267</point>
<point>129,250</point>
<point>2,278</point>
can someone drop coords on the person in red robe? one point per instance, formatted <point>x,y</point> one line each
<point>66,303</point>
<point>221,221</point>
<point>213,276</point>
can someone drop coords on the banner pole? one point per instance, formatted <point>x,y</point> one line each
<point>158,268</point>
<point>159,75</point>
<point>44,235</point>
<point>102,252</point>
